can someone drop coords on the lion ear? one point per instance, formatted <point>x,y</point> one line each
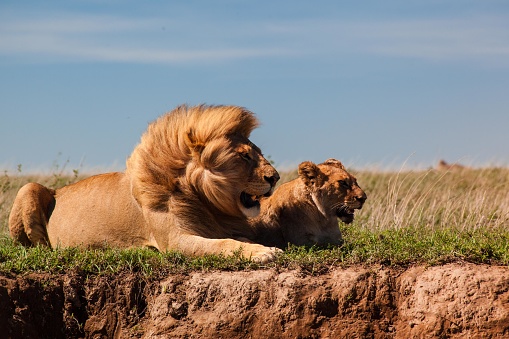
<point>310,174</point>
<point>335,163</point>
<point>192,143</point>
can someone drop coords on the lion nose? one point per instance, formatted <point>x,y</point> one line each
<point>272,179</point>
<point>361,198</point>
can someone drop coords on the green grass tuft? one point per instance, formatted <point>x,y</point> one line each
<point>401,247</point>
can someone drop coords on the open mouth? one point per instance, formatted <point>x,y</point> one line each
<point>250,201</point>
<point>345,213</point>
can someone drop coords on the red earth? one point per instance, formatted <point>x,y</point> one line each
<point>458,300</point>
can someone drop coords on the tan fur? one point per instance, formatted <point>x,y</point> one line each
<point>304,211</point>
<point>33,206</point>
<point>185,188</point>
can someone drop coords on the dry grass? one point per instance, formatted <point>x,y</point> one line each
<point>409,217</point>
<point>463,200</point>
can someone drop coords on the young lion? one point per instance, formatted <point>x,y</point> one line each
<point>190,185</point>
<point>304,211</point>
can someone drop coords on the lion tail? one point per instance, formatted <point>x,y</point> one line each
<point>30,214</point>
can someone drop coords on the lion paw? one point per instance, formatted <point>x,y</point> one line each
<point>268,254</point>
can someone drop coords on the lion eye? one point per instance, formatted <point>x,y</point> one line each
<point>343,184</point>
<point>245,156</point>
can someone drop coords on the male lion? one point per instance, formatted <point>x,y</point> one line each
<point>304,211</point>
<point>189,185</point>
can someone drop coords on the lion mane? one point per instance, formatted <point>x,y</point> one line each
<point>305,211</point>
<point>189,185</point>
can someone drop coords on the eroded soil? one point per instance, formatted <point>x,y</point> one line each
<point>458,300</point>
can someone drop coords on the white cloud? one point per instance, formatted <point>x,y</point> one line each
<point>482,39</point>
<point>436,39</point>
<point>156,40</point>
<point>69,49</point>
<point>71,24</point>
<point>103,38</point>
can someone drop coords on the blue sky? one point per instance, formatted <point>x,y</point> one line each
<point>372,83</point>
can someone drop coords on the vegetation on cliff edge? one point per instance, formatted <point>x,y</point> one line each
<point>410,217</point>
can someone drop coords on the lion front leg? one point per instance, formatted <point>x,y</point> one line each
<point>196,245</point>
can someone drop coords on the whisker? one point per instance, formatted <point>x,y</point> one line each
<point>340,206</point>
<point>337,204</point>
<point>334,206</point>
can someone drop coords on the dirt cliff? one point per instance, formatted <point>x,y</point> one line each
<point>450,301</point>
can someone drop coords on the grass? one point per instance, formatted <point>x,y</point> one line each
<point>410,217</point>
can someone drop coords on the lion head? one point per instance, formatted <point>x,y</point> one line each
<point>203,155</point>
<point>333,190</point>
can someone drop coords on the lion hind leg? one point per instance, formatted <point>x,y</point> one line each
<point>30,214</point>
